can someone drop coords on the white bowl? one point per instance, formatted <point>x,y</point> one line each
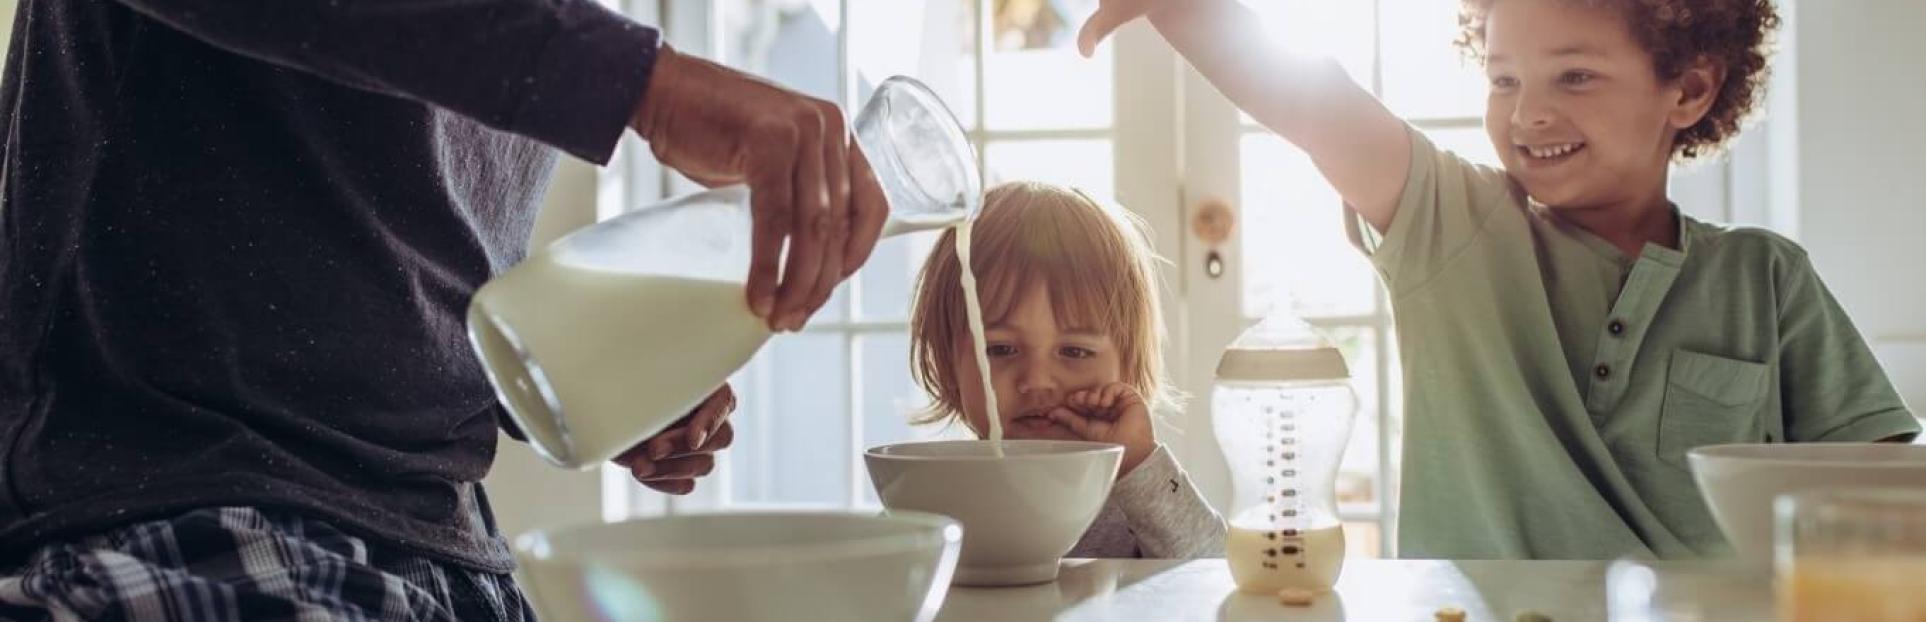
<point>1739,482</point>
<point>1020,512</point>
<point>743,568</point>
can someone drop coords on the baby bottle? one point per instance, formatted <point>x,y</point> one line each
<point>1281,408</point>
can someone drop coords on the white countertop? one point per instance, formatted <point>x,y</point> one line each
<point>1369,590</point>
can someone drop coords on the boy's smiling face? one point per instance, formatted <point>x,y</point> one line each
<point>1576,109</point>
<point>1034,365</point>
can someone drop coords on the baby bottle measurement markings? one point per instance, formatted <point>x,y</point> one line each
<point>1282,443</point>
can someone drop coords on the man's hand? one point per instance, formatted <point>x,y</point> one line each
<point>1113,413</point>
<point>672,461</point>
<point>809,183</point>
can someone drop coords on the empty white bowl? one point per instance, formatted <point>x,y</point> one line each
<point>1739,482</point>
<point>743,568</point>
<point>1021,513</point>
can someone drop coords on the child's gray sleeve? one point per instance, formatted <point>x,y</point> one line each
<point>1166,515</point>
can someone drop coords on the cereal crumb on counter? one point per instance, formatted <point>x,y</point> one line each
<point>1450,614</point>
<point>1293,597</point>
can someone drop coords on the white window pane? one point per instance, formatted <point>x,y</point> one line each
<point>1034,78</point>
<point>791,427</point>
<point>1358,473</point>
<point>1296,255</point>
<point>888,278</point>
<point>891,399</point>
<point>1363,539</point>
<point>1339,30</point>
<point>1424,74</point>
<point>791,42</point>
<point>1394,381</point>
<point>1471,143</point>
<point>931,40</point>
<point>1086,164</point>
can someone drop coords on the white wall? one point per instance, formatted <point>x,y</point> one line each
<point>1861,172</point>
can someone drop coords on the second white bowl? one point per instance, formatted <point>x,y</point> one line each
<point>1020,512</point>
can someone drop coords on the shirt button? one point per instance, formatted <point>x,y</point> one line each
<point>1617,327</point>
<point>1603,371</point>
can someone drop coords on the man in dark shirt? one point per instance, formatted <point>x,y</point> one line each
<point>236,241</point>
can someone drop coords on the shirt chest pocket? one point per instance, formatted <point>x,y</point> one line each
<point>1709,400</point>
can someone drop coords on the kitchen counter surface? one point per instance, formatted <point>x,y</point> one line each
<point>1379,590</point>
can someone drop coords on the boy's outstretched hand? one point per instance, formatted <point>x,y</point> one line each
<point>1113,413</point>
<point>1111,15</point>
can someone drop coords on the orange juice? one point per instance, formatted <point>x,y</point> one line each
<point>1820,589</point>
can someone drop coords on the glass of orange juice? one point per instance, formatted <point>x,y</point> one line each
<point>1852,555</point>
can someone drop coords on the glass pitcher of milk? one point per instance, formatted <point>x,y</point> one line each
<point>1282,408</point>
<point>613,333</point>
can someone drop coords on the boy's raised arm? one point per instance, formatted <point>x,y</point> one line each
<point>1359,146</point>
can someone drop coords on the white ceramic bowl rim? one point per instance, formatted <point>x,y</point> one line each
<point>1878,496</point>
<point>1058,450</point>
<point>1892,455</point>
<point>536,543</point>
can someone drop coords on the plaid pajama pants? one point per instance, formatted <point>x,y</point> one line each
<point>236,563</point>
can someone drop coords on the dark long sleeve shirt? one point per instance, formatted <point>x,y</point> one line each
<point>237,239</point>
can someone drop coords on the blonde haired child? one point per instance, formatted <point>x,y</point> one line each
<point>1567,334</point>
<point>1069,293</point>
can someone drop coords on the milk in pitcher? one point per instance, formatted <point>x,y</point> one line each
<point>614,348</point>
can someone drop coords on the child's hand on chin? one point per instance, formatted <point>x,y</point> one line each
<point>1112,413</point>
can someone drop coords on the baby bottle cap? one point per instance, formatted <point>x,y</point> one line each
<point>1281,348</point>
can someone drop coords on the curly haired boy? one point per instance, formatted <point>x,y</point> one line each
<point>1567,333</point>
